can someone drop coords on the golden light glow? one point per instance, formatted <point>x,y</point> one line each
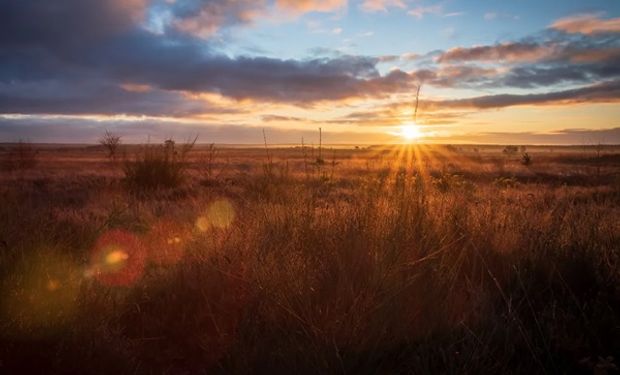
<point>118,258</point>
<point>115,257</point>
<point>202,224</point>
<point>220,214</point>
<point>40,296</point>
<point>410,132</point>
<point>166,241</point>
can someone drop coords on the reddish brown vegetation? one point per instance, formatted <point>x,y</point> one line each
<point>419,259</point>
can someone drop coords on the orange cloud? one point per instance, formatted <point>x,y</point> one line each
<point>213,15</point>
<point>594,55</point>
<point>514,51</point>
<point>134,87</point>
<point>587,24</point>
<point>304,6</point>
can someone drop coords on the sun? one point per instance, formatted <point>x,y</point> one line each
<point>410,132</point>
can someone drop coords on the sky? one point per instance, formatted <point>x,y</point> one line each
<point>527,72</point>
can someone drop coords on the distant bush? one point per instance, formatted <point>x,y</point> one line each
<point>111,143</point>
<point>509,150</point>
<point>157,167</point>
<point>526,159</point>
<point>19,157</point>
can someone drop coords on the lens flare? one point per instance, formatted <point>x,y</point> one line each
<point>220,214</point>
<point>118,258</point>
<point>40,297</point>
<point>166,242</point>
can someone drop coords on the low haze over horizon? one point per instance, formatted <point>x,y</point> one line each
<point>527,72</point>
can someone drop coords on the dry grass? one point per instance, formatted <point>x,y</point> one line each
<point>421,259</point>
<point>18,157</point>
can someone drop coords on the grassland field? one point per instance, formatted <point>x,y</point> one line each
<point>400,259</point>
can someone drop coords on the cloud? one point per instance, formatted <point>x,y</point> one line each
<point>590,23</point>
<point>107,54</point>
<point>449,111</point>
<point>545,59</point>
<point>531,50</point>
<point>421,10</point>
<point>531,76</point>
<point>607,92</point>
<point>381,5</point>
<point>80,130</point>
<point>409,56</point>
<point>580,137</point>
<point>490,16</point>
<point>280,118</point>
<point>405,57</point>
<point>305,6</point>
<point>46,129</point>
<point>181,67</point>
<point>66,22</point>
<point>267,79</point>
<point>513,51</point>
<point>108,58</point>
<point>58,97</point>
<point>205,17</point>
<point>456,76</point>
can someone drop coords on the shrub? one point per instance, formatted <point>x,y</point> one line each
<point>157,167</point>
<point>110,142</point>
<point>509,150</point>
<point>526,159</point>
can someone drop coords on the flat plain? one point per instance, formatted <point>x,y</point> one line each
<point>374,259</point>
